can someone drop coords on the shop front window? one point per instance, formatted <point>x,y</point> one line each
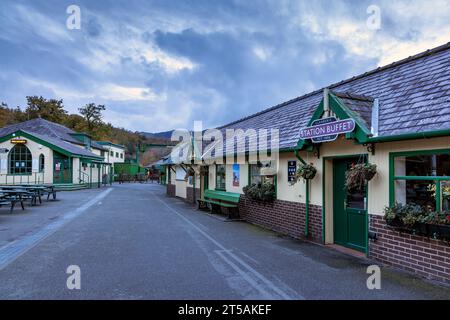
<point>255,174</point>
<point>422,179</point>
<point>221,177</point>
<point>20,160</point>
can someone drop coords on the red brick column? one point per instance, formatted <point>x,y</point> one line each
<point>190,195</point>
<point>420,255</point>
<point>170,190</point>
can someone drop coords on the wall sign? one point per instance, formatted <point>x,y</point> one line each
<point>292,168</point>
<point>18,141</point>
<point>4,150</point>
<point>327,129</point>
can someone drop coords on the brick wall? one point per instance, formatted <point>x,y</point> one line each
<point>170,190</point>
<point>419,255</point>
<point>190,195</point>
<point>283,216</point>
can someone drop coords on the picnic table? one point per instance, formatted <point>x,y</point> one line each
<point>12,197</point>
<point>12,194</point>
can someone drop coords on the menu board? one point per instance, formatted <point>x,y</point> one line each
<point>292,168</point>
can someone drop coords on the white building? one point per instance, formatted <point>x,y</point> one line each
<point>39,151</point>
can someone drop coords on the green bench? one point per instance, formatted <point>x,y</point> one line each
<point>216,198</point>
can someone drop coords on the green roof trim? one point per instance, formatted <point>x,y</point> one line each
<point>107,143</point>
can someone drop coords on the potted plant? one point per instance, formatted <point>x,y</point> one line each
<point>438,224</point>
<point>357,176</point>
<point>189,173</point>
<point>203,170</point>
<point>404,217</point>
<point>305,171</point>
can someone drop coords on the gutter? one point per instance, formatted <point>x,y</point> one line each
<point>410,136</point>
<point>297,154</point>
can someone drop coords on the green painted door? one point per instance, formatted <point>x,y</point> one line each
<point>62,168</point>
<point>349,209</point>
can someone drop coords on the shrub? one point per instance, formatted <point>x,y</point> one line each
<point>260,192</point>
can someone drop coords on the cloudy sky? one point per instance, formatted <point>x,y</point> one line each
<point>161,64</point>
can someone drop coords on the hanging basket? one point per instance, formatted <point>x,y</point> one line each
<point>357,176</point>
<point>189,173</point>
<point>203,170</point>
<point>305,172</point>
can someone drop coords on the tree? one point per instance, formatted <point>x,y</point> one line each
<point>92,114</point>
<point>52,109</point>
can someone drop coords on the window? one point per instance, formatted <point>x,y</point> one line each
<point>255,176</point>
<point>220,177</point>
<point>422,178</point>
<point>20,160</point>
<point>41,163</point>
<point>112,153</point>
<point>121,156</point>
<point>117,154</point>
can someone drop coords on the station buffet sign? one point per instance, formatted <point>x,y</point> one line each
<point>327,129</point>
<point>18,141</point>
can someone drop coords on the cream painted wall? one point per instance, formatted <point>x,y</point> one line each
<point>36,150</point>
<point>243,173</point>
<point>180,188</point>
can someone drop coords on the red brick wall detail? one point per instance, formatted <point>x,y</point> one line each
<point>283,216</point>
<point>425,257</point>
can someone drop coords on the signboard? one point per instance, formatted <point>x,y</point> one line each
<point>327,129</point>
<point>18,141</point>
<point>292,168</point>
<point>4,150</point>
<point>236,175</point>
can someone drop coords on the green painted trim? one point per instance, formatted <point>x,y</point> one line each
<point>436,179</point>
<point>410,136</point>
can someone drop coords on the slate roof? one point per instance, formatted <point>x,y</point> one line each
<point>51,132</point>
<point>414,96</point>
<point>360,105</point>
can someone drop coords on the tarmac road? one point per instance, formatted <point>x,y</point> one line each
<point>130,241</point>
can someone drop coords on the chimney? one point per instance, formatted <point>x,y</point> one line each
<point>375,115</point>
<point>326,102</point>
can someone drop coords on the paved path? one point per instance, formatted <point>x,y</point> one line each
<point>132,242</point>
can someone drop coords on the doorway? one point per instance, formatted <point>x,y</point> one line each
<point>349,208</point>
<point>62,168</point>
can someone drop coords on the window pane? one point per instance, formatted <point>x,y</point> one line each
<point>445,196</point>
<point>423,165</point>
<point>416,191</point>
<point>220,176</point>
<point>255,176</point>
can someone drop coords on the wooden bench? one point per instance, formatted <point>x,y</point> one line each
<point>217,199</point>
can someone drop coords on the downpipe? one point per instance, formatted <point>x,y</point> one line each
<point>297,154</point>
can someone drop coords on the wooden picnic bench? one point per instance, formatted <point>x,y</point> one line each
<point>217,199</point>
<point>11,197</point>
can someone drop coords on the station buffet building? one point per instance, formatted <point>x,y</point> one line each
<point>42,152</point>
<point>399,118</point>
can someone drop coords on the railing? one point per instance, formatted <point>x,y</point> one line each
<point>84,177</point>
<point>13,179</point>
